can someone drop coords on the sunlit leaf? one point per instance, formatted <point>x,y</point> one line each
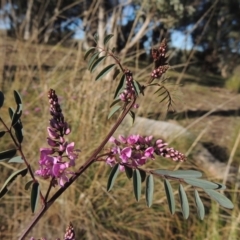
<point>1,99</point>
<point>17,97</point>
<point>105,71</point>
<point>170,196</point>
<point>221,199</point>
<point>201,183</point>
<point>35,196</point>
<point>18,131</point>
<point>128,171</point>
<point>13,176</point>
<point>17,159</point>
<point>8,154</point>
<point>112,177</point>
<point>120,86</point>
<point>179,173</point>
<point>149,190</point>
<point>16,117</point>
<point>96,63</point>
<point>137,184</point>
<point>113,110</point>
<point>88,52</point>
<point>28,185</point>
<point>107,38</point>
<point>183,201</point>
<point>199,204</point>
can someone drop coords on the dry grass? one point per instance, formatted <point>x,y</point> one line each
<point>95,213</point>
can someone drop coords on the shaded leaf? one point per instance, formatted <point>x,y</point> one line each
<point>28,184</point>
<point>17,159</point>
<point>10,112</point>
<point>88,52</point>
<point>137,184</point>
<point>113,110</point>
<point>120,86</point>
<point>13,176</point>
<point>132,115</point>
<point>112,177</point>
<point>105,71</point>
<point>115,102</point>
<point>199,204</point>
<point>143,175</point>
<point>96,37</point>
<point>107,38</point>
<point>96,63</point>
<point>117,71</point>
<point>137,87</point>
<point>183,201</point>
<point>17,97</point>
<point>201,183</point>
<point>149,190</point>
<point>8,154</point>
<point>92,59</point>
<point>16,117</point>
<point>2,133</point>
<point>128,171</point>
<point>18,131</point>
<point>1,99</point>
<point>35,196</point>
<point>221,199</point>
<point>170,196</point>
<point>179,173</point>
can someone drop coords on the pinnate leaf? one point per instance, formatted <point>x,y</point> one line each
<point>149,190</point>
<point>8,154</point>
<point>179,173</point>
<point>88,52</point>
<point>113,110</point>
<point>17,97</point>
<point>183,201</point>
<point>199,204</point>
<point>201,183</point>
<point>17,159</point>
<point>105,71</point>
<point>137,184</point>
<point>28,184</point>
<point>1,99</point>
<point>35,196</point>
<point>107,38</point>
<point>170,196</point>
<point>96,63</point>
<point>13,176</point>
<point>221,199</point>
<point>2,133</point>
<point>112,177</point>
<point>128,171</point>
<point>92,59</point>
<point>120,86</point>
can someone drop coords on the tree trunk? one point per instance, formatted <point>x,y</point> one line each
<point>26,35</point>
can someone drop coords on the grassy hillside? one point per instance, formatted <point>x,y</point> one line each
<point>211,113</point>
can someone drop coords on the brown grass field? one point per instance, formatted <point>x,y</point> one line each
<point>94,212</point>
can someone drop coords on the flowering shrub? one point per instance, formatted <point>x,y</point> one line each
<point>126,154</point>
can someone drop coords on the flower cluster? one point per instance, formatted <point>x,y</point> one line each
<point>129,91</point>
<point>51,161</point>
<point>159,57</point>
<point>135,150</point>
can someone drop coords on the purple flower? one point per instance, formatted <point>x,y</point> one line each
<point>126,154</point>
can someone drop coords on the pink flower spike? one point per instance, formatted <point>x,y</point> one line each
<point>126,154</point>
<point>122,139</point>
<point>71,153</point>
<point>132,139</point>
<point>52,143</point>
<point>52,133</point>
<point>149,152</point>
